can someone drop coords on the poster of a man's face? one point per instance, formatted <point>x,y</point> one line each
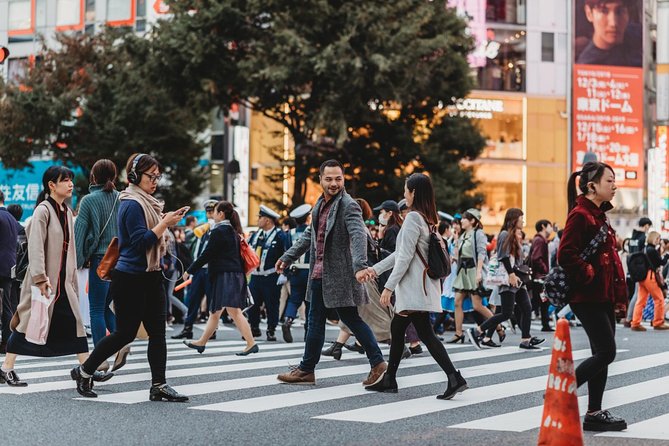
<point>608,32</point>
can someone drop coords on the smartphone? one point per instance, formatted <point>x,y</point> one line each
<point>184,210</point>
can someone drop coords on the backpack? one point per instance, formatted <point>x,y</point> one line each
<point>638,266</point>
<point>438,263</point>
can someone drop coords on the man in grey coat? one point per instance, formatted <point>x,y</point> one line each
<point>337,244</point>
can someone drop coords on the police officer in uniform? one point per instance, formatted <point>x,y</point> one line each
<point>298,274</point>
<point>270,243</point>
<point>200,285</point>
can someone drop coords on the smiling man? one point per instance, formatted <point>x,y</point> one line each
<point>614,40</point>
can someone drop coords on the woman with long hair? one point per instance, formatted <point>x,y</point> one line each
<point>471,256</point>
<point>53,270</point>
<point>416,294</point>
<point>94,228</point>
<point>597,284</point>
<point>652,285</point>
<point>226,274</point>
<point>136,287</point>
<point>510,255</point>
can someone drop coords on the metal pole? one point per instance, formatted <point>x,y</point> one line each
<point>570,76</point>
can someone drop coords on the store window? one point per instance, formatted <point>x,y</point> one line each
<point>502,186</point>
<point>505,11</point>
<point>69,14</point>
<point>547,47</point>
<point>16,69</point>
<point>121,12</point>
<point>504,68</point>
<point>21,17</point>
<point>140,13</point>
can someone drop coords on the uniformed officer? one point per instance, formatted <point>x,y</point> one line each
<point>298,274</point>
<point>200,285</point>
<point>270,243</point>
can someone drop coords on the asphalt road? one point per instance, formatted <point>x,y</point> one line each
<point>236,400</point>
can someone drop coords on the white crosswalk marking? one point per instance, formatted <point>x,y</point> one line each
<point>270,402</point>
<point>526,419</point>
<point>653,429</point>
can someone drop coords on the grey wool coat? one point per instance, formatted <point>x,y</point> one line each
<point>345,252</point>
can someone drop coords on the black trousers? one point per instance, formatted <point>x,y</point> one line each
<point>7,305</point>
<point>508,298</point>
<point>420,320</point>
<point>138,298</point>
<point>599,323</point>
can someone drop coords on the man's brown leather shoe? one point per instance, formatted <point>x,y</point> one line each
<point>661,327</point>
<point>638,328</point>
<point>297,376</point>
<point>375,374</point>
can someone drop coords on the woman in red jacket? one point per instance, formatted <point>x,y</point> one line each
<point>597,284</point>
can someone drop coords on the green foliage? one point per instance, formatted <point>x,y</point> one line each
<point>102,97</point>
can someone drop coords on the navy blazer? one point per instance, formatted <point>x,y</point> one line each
<point>9,232</point>
<point>276,249</point>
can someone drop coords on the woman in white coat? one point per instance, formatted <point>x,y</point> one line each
<point>416,294</point>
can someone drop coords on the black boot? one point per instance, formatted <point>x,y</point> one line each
<point>333,350</point>
<point>271,336</point>
<point>456,384</point>
<point>186,333</point>
<point>166,393</point>
<point>255,331</point>
<point>388,384</point>
<point>285,329</point>
<point>11,379</point>
<point>84,385</point>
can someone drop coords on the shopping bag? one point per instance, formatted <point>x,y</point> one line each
<point>38,324</point>
<point>496,274</point>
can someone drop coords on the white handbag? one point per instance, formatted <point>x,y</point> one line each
<point>496,274</point>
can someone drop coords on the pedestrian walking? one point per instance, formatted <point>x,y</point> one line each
<point>597,284</point>
<point>336,240</point>
<point>94,228</point>
<point>52,270</point>
<point>416,294</point>
<point>652,285</point>
<point>298,274</point>
<point>226,273</point>
<point>270,243</point>
<point>136,286</point>
<point>9,232</point>
<point>539,262</point>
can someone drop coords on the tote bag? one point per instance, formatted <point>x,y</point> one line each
<point>38,324</point>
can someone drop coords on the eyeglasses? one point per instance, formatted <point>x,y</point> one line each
<point>154,178</point>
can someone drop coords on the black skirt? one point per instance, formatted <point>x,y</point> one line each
<point>228,290</point>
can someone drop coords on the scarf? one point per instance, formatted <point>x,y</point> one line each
<point>153,209</point>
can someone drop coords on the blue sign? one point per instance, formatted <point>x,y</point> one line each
<point>22,186</point>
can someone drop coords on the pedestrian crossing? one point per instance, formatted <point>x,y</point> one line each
<point>220,382</point>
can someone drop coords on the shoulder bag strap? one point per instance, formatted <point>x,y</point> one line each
<point>97,242</point>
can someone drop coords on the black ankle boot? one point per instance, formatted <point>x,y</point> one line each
<point>186,333</point>
<point>388,384</point>
<point>166,393</point>
<point>11,379</point>
<point>271,337</point>
<point>333,350</point>
<point>355,347</point>
<point>456,384</point>
<point>84,385</point>
<point>285,329</point>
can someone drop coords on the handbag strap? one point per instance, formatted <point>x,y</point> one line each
<point>598,240</point>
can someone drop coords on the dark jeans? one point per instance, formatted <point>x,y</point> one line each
<point>99,298</point>
<point>508,298</point>
<point>298,294</point>
<point>316,333</point>
<point>599,323</point>
<point>138,298</point>
<point>265,290</point>
<point>194,294</point>
<point>420,320</point>
<point>7,306</point>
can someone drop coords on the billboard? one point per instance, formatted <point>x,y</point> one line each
<point>607,87</point>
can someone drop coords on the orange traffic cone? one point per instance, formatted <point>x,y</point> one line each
<point>560,423</point>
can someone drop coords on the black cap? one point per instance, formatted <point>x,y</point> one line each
<point>388,205</point>
<point>645,221</point>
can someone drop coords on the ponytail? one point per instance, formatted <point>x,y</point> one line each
<point>103,173</point>
<point>230,214</point>
<point>591,173</point>
<point>41,197</point>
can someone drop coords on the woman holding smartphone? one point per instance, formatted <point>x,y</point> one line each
<point>136,286</point>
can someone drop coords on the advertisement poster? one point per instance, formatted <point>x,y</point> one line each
<point>607,91</point>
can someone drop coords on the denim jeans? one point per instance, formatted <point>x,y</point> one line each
<point>316,333</point>
<point>265,290</point>
<point>99,298</point>
<point>298,294</point>
<point>194,294</point>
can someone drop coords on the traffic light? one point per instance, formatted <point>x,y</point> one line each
<point>4,54</point>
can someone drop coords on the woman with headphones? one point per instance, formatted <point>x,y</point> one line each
<point>136,286</point>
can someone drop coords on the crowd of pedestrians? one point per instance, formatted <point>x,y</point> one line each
<point>340,262</point>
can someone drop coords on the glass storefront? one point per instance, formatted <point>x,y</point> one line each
<point>505,65</point>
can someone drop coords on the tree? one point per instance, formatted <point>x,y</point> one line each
<point>329,71</point>
<point>101,97</point>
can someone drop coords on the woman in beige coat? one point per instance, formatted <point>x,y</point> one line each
<point>52,269</point>
<point>416,293</point>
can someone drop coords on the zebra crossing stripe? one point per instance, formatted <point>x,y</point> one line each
<point>530,418</point>
<point>652,429</point>
<point>210,387</point>
<point>270,402</point>
<point>421,406</point>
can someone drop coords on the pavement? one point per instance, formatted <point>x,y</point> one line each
<point>235,399</point>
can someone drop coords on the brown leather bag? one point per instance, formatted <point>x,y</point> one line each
<point>109,260</point>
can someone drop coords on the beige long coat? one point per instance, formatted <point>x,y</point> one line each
<point>45,247</point>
